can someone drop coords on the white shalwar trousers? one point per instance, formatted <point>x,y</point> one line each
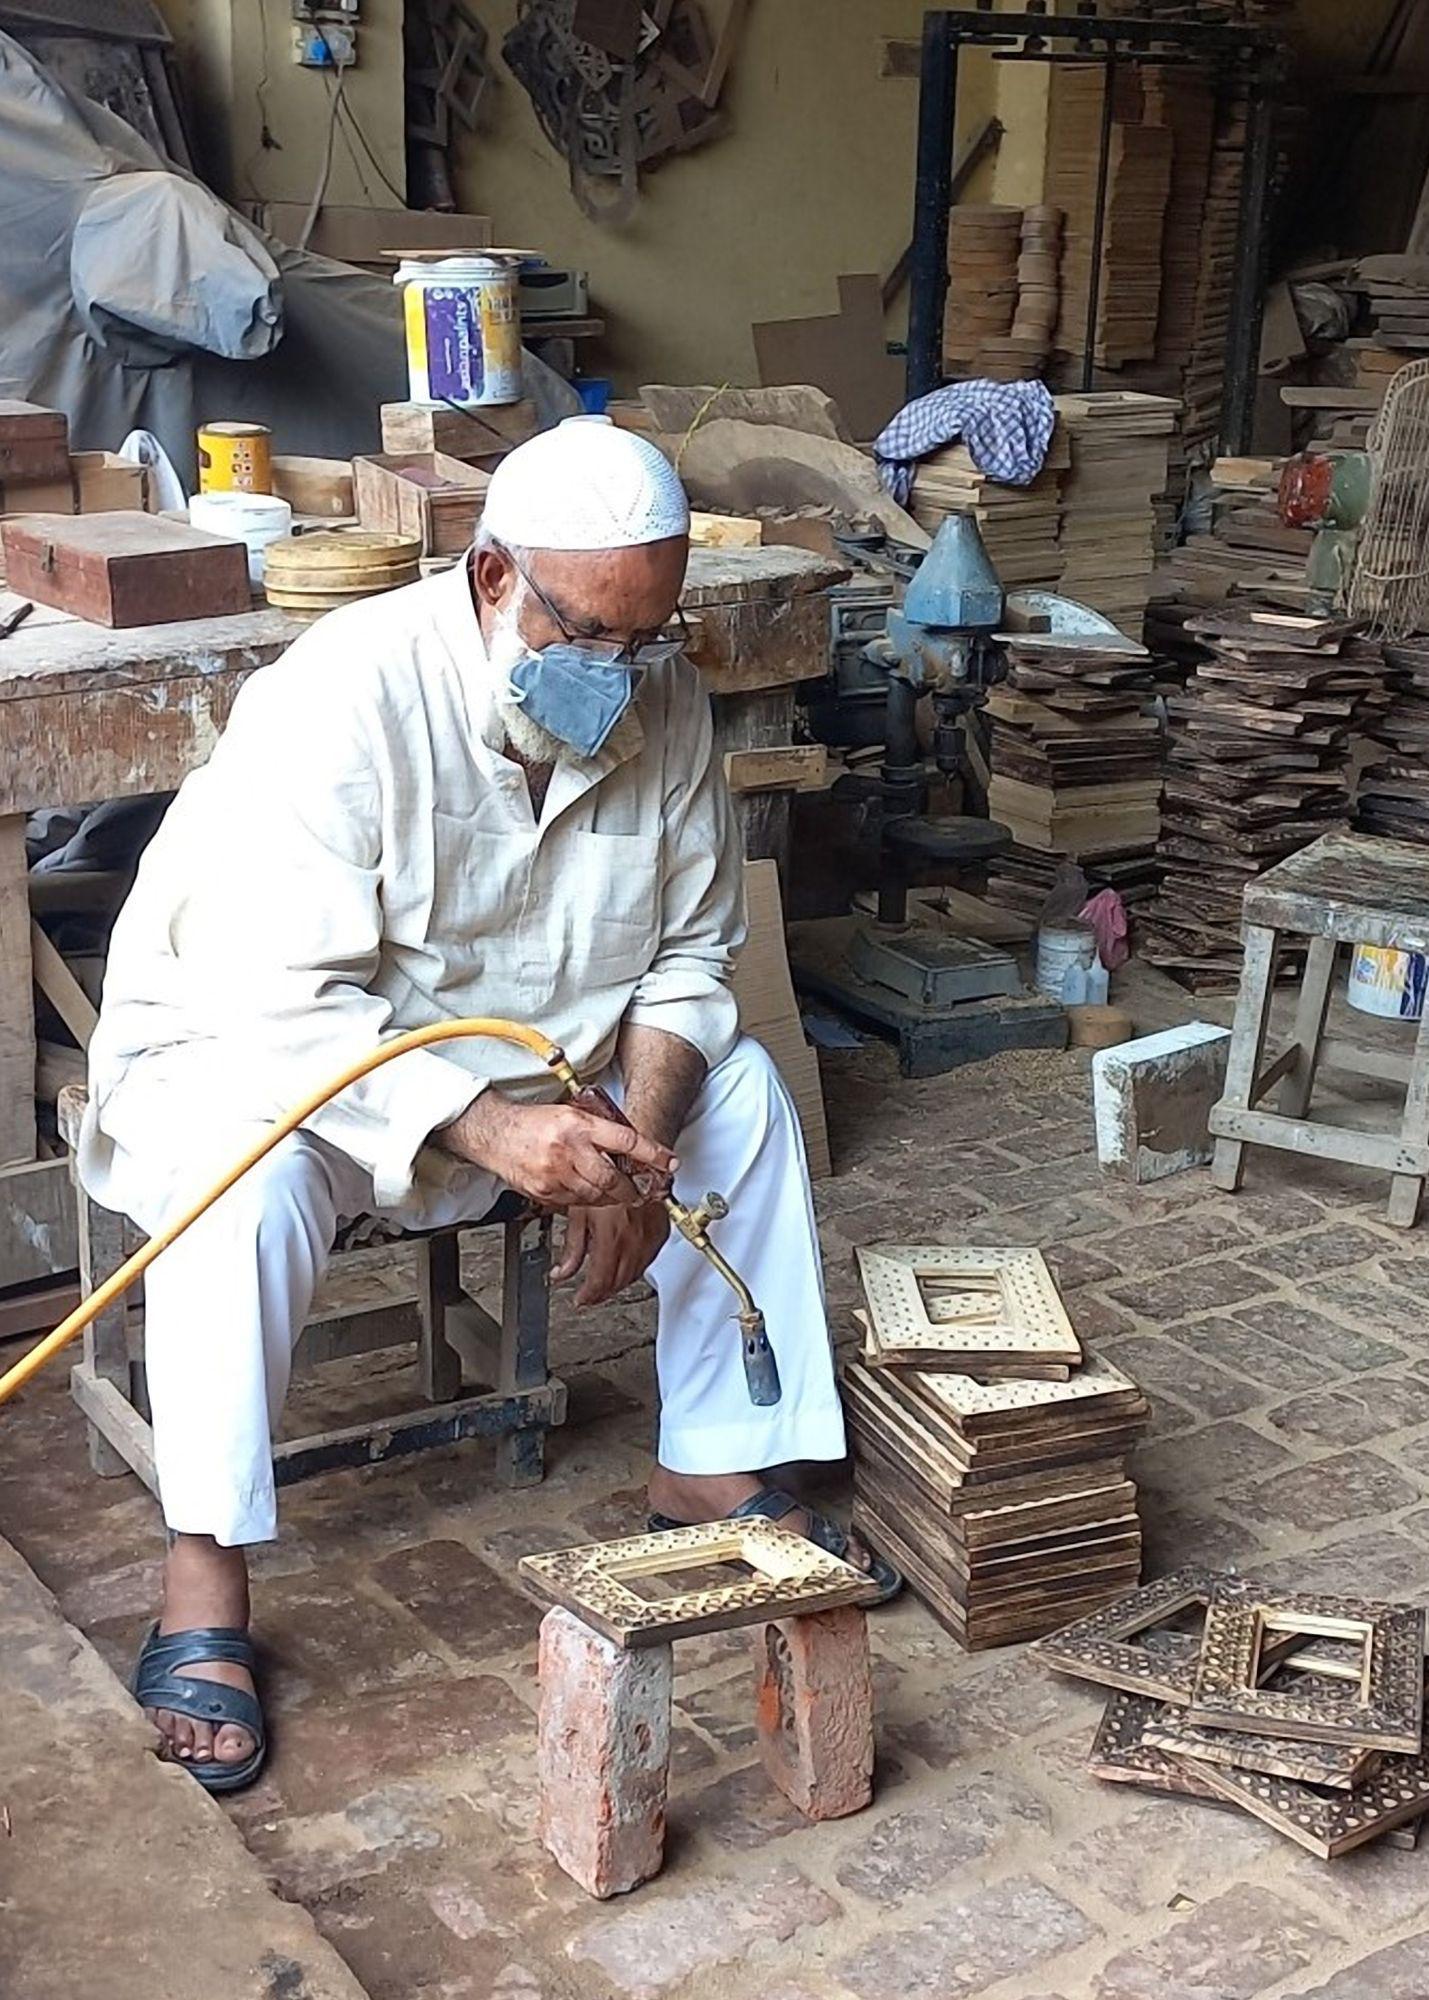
<point>224,1305</point>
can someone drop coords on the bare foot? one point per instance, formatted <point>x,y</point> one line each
<point>205,1585</point>
<point>687,1496</point>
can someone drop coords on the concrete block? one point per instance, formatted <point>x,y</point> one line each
<point>814,1710</point>
<point>603,1756</point>
<point>1153,1100</point>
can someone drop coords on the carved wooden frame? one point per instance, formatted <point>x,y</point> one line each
<point>1396,1795</point>
<point>1121,1755</point>
<point>1011,1316</point>
<point>1339,1766</point>
<point>1100,1648</point>
<point>1228,1693</point>
<point>792,1577</point>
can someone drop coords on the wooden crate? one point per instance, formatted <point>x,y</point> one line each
<point>34,443</point>
<point>434,498</point>
<point>474,435</point>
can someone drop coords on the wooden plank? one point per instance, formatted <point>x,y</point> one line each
<point>1383,1150</point>
<point>17,1002</point>
<point>61,988</point>
<point>117,1421</point>
<point>797,767</point>
<point>724,531</point>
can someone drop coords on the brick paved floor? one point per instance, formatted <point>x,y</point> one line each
<point>1283,1337</point>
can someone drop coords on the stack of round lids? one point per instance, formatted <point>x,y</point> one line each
<point>313,573</point>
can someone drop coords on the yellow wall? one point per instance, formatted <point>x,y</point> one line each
<point>814,178</point>
<point>237,59</point>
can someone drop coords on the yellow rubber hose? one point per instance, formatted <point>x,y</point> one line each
<point>419,1038</point>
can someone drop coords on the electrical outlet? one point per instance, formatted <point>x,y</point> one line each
<point>324,45</point>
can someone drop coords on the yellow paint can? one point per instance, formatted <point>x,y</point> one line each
<point>235,458</point>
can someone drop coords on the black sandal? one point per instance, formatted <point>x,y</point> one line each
<point>156,1684</point>
<point>772,1503</point>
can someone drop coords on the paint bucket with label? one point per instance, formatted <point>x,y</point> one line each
<point>1387,982</point>
<point>235,458</point>
<point>463,329</point>
<point>255,519</point>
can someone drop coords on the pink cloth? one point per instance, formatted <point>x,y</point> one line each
<point>1106,913</point>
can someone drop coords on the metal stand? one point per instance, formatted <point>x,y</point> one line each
<point>1249,57</point>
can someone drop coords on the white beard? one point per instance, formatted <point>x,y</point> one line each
<point>532,743</point>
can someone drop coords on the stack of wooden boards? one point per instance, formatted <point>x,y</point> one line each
<point>1038,284</point>
<point>1118,442</point>
<point>1075,763</point>
<point>1257,766</point>
<point>1248,552</point>
<point>989,1450</point>
<point>1393,796</point>
<point>1303,1711</point>
<point>1138,186</point>
<point>984,241</point>
<point>1019,525</point>
<point>1395,291</point>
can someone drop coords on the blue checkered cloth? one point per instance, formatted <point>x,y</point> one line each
<point>1006,426</point>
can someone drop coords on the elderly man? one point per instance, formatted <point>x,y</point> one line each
<point>492,793</point>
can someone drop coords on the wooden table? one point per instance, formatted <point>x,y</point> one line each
<point>89,714</point>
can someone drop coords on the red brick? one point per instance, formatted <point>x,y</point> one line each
<point>814,1710</point>
<point>604,1755</point>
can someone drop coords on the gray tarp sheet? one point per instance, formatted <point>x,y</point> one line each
<point>131,297</point>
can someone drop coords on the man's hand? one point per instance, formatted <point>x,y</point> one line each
<point>616,1246</point>
<point>555,1154</point>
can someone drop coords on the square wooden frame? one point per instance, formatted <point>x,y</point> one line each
<point>1328,1825</point>
<point>792,1578</point>
<point>1100,1648</point>
<point>1018,1323</point>
<point>1120,1754</point>
<point>1227,1695</point>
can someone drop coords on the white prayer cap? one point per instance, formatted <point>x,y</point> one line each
<point>585,485</point>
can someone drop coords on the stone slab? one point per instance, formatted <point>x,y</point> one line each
<point>121,1875</point>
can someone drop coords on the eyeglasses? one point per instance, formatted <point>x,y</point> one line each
<point>641,651</point>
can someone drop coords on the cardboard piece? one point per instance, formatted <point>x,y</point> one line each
<point>769,1011</point>
<point>356,235</point>
<point>845,353</point>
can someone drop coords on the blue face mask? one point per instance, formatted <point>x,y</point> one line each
<point>576,695</point>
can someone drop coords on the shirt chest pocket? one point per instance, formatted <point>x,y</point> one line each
<point>608,890</point>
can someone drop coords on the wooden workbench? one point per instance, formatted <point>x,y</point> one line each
<point>89,714</point>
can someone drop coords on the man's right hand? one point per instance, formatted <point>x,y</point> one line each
<point>555,1154</point>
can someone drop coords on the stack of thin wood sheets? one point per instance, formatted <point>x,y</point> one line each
<point>1138,187</point>
<point>1018,524</point>
<point>1257,766</point>
<point>1075,763</point>
<point>1396,293</point>
<point>1118,441</point>
<point>989,1450</point>
<point>1303,1711</point>
<point>984,241</point>
<point>1393,797</point>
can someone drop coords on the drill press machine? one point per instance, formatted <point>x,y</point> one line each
<point>945,999</point>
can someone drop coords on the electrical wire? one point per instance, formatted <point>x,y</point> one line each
<point>325,170</point>
<point>351,117</point>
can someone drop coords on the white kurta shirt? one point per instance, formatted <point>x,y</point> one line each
<point>359,857</point>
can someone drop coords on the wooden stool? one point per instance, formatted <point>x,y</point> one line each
<point>376,1312</point>
<point>1346,889</point>
<point>607,1672</point>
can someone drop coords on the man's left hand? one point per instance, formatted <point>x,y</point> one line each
<point>614,1245</point>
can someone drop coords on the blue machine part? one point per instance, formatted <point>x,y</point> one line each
<point>954,596</point>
